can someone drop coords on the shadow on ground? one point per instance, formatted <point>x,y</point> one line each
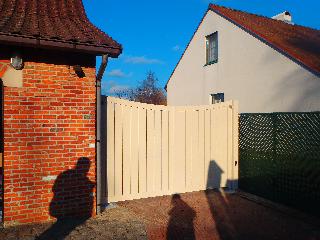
<point>219,215</point>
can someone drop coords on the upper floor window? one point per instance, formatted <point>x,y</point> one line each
<point>212,48</point>
<point>217,98</point>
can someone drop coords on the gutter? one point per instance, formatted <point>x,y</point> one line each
<point>100,201</point>
<point>47,43</point>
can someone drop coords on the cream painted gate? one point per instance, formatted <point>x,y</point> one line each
<point>159,150</point>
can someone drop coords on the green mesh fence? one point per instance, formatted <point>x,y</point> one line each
<point>280,158</point>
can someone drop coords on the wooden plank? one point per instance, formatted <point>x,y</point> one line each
<point>126,151</point>
<point>165,152</point>
<point>134,152</point>
<point>235,147</point>
<point>118,150</point>
<point>179,160</point>
<point>189,147</point>
<point>142,151</point>
<point>213,179</point>
<point>229,133</point>
<point>171,159</point>
<point>150,152</point>
<point>207,146</point>
<point>157,153</point>
<point>199,183</point>
<point>110,151</point>
<point>194,148</point>
<point>222,146</point>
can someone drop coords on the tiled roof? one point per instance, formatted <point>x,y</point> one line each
<point>300,43</point>
<point>53,24</point>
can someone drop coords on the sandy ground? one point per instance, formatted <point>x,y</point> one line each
<point>219,216</point>
<point>117,223</point>
<point>199,215</point>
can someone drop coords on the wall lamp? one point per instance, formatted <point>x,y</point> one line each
<point>78,70</point>
<point>16,62</point>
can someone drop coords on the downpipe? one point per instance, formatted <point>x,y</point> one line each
<point>99,199</point>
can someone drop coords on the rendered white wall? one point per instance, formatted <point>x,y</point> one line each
<point>261,78</point>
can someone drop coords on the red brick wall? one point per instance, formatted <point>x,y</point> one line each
<point>49,125</point>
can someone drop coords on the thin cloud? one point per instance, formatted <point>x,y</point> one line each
<point>111,87</point>
<point>117,88</point>
<point>142,60</point>
<point>176,48</point>
<point>119,74</point>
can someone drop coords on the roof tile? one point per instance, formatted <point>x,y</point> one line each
<point>53,20</point>
<point>298,42</point>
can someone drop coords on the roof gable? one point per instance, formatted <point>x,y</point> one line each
<point>53,24</point>
<point>301,44</point>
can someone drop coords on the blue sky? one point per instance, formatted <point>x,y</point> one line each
<point>154,34</point>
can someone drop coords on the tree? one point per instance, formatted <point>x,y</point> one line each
<point>146,92</point>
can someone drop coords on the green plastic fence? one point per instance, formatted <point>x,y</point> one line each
<point>280,158</point>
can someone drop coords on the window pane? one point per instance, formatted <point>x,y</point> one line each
<point>212,48</point>
<point>217,98</point>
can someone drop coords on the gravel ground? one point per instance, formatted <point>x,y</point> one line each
<point>117,223</point>
<point>218,216</point>
<point>198,215</point>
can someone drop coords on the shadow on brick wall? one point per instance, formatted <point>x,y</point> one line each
<point>72,203</point>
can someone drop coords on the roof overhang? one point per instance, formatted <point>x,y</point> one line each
<point>36,42</point>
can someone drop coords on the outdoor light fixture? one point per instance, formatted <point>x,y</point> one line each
<point>16,62</point>
<point>78,70</point>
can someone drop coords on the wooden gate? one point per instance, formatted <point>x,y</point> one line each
<point>158,150</point>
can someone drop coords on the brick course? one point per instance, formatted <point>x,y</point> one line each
<point>48,126</point>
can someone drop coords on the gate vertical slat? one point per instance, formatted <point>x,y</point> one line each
<point>157,152</point>
<point>207,143</point>
<point>229,146</point>
<point>135,152</point>
<point>142,152</point>
<point>199,176</point>
<point>211,176</point>
<point>126,148</point>
<point>110,150</point>
<point>118,158</point>
<point>150,152</point>
<point>172,158</point>
<point>179,160</point>
<point>189,148</point>
<point>235,144</point>
<point>221,160</point>
<point>164,151</point>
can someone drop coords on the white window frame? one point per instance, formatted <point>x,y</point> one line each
<point>212,48</point>
<point>216,98</point>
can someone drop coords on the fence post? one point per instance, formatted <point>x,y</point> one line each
<point>235,144</point>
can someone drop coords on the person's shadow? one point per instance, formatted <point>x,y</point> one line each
<point>180,224</point>
<point>72,203</point>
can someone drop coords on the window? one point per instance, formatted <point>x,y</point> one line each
<point>212,48</point>
<point>217,98</point>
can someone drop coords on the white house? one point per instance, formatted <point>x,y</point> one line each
<point>269,65</point>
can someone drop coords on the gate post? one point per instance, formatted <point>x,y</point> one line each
<point>235,145</point>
